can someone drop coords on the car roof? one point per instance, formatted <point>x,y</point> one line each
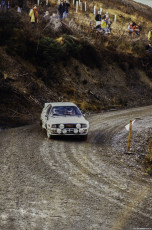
<point>59,104</point>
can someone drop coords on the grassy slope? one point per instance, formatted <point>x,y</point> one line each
<point>111,72</point>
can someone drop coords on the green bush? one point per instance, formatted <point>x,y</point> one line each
<point>51,51</point>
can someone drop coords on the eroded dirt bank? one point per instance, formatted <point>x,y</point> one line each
<point>70,184</point>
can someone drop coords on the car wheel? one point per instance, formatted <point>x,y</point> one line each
<point>41,123</point>
<point>48,135</point>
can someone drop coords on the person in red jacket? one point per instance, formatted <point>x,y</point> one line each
<point>130,27</point>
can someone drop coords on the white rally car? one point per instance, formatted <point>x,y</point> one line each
<point>63,118</point>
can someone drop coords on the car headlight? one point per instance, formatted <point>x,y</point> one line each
<point>64,131</point>
<point>81,131</point>
<point>78,126</point>
<point>59,131</point>
<point>61,126</point>
<point>83,125</point>
<point>75,131</point>
<point>54,126</point>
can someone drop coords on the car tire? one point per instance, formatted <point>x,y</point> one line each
<point>48,135</point>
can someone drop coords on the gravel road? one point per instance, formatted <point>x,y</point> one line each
<point>74,185</point>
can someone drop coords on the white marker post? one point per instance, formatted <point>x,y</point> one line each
<point>79,2</point>
<point>115,18</point>
<point>85,6</point>
<point>47,2</point>
<point>127,126</point>
<point>94,10</point>
<point>38,2</point>
<point>81,5</point>
<point>100,10</point>
<point>77,6</point>
<point>73,2</point>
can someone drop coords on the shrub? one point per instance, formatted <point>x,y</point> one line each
<point>7,25</point>
<point>22,44</point>
<point>49,51</point>
<point>139,48</point>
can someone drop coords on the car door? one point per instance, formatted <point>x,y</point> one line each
<point>44,115</point>
<point>47,112</point>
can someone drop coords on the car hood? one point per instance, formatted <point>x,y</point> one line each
<point>67,119</point>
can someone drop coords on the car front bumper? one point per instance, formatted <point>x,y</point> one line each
<point>68,131</point>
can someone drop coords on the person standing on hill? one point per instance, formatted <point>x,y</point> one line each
<point>130,28</point>
<point>61,9</point>
<point>66,9</point>
<point>34,15</point>
<point>104,25</point>
<point>20,6</point>
<point>3,5</point>
<point>98,18</point>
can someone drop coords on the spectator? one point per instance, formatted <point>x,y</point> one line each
<point>46,16</point>
<point>136,30</point>
<point>104,26</point>
<point>66,9</point>
<point>107,15</point>
<point>20,6</point>
<point>108,21</point>
<point>3,5</point>
<point>98,18</point>
<point>34,15</point>
<point>54,17</point>
<point>61,9</point>
<point>133,29</point>
<point>130,28</point>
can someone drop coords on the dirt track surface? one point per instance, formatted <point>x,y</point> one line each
<point>72,184</point>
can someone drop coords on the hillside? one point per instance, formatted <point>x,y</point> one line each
<point>72,62</point>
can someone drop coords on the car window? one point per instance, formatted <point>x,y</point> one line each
<point>65,111</point>
<point>48,109</point>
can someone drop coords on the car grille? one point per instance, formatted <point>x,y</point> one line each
<point>70,131</point>
<point>70,125</point>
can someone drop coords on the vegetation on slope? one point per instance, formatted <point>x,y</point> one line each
<point>39,65</point>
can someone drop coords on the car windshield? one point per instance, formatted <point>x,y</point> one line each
<point>65,111</point>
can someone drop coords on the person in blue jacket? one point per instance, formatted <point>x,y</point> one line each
<point>66,9</point>
<point>61,9</point>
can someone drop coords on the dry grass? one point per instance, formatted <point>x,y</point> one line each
<point>121,10</point>
<point>148,157</point>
